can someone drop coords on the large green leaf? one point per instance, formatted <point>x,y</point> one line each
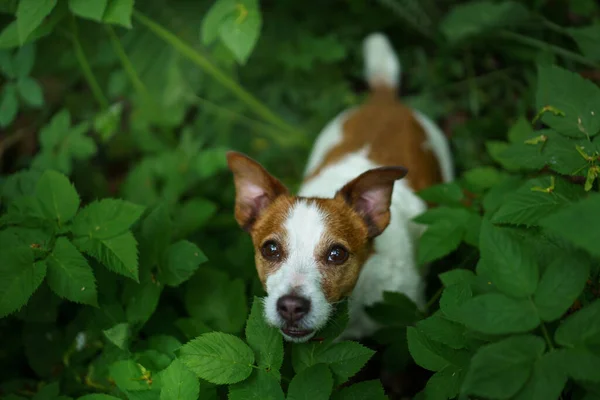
<point>444,384</point>
<point>119,12</point>
<point>9,104</point>
<point>91,9</point>
<point>218,357</point>
<point>495,313</point>
<point>69,274</point>
<point>430,354</point>
<point>30,91</point>
<point>314,383</point>
<point>31,14</point>
<point>581,328</point>
<point>178,383</point>
<point>179,263</point>
<point>587,38</point>
<point>261,385</point>
<point>57,197</point>
<point>266,341</point>
<point>501,369</point>
<point>547,380</point>
<point>19,278</point>
<point>118,254</point>
<point>106,218</point>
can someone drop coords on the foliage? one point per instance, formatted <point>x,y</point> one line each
<point>125,276</point>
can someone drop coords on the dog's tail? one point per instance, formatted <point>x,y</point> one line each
<point>382,66</point>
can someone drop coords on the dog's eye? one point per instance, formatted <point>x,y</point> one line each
<point>270,250</point>
<point>337,255</point>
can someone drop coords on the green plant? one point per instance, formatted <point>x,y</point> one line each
<point>124,274</point>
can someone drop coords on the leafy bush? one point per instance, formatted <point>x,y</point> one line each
<point>123,274</point>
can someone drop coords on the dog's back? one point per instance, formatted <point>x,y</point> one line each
<point>382,132</point>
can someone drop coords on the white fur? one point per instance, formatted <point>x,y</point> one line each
<point>381,63</point>
<point>305,229</point>
<point>439,144</point>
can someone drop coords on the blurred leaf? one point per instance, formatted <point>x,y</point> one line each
<point>218,357</point>
<point>7,65</point>
<point>180,261</point>
<point>214,18</point>
<point>314,383</point>
<point>444,193</point>
<point>577,99</point>
<point>366,390</point>
<point>587,39</point>
<point>69,274</point>
<point>501,369</point>
<point>30,91</point>
<point>107,122</point>
<point>178,383</point>
<point>57,198</point>
<point>240,32</point>
<point>24,60</point>
<point>192,215</point>
<point>141,299</point>
<point>480,179</point>
<point>119,335</point>
<point>48,392</point>
<point>9,105</point>
<point>31,14</point>
<point>476,18</point>
<point>495,313</point>
<point>580,364</point>
<point>119,12</point>
<point>90,9</point>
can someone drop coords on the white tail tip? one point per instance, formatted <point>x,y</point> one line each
<point>382,66</point>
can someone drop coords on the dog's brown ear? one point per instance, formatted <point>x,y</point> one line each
<point>370,195</point>
<point>255,188</point>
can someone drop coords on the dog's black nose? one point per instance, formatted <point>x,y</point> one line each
<point>292,308</point>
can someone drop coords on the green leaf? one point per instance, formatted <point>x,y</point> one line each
<point>215,299</point>
<point>444,193</point>
<point>192,215</point>
<point>547,380</point>
<point>499,370</point>
<point>90,9</point>
<point>24,60</point>
<point>31,14</point>
<point>480,179</point>
<point>561,284</point>
<point>19,278</point>
<point>154,236</point>
<point>7,64</point>
<point>520,131</point>
<point>107,122</point>
<point>444,384</point>
<point>527,207</point>
<point>587,39</point>
<point>119,335</point>
<point>265,340</point>
<point>395,309</point>
<point>345,359</point>
<point>444,331</point>
<point>456,276</point>
<point>576,97</point>
<point>513,267</point>
<point>561,155</point>
<point>69,274</point>
<point>128,375</point>
<point>214,18</point>
<point>240,31</point>
<point>577,223</point>
<point>106,218</point>
<point>261,385</point>
<point>9,104</point>
<point>98,396</point>
<point>366,390</point>
<point>57,197</point>
<point>118,12</point>
<point>118,254</point>
<point>218,357</point>
<point>495,313</point>
<point>178,383</point>
<point>48,392</point>
<point>475,18</point>
<point>453,298</point>
<point>180,261</point>
<point>314,383</point>
<point>430,354</point>
<point>30,91</point>
<point>141,299</point>
<point>581,328</point>
<point>580,364</point>
<point>439,240</point>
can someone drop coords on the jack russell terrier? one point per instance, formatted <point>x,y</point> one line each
<point>349,230</point>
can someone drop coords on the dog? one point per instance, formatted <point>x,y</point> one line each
<point>348,233</point>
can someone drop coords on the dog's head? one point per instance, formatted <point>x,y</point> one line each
<point>309,251</point>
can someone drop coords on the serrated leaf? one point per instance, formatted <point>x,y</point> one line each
<point>577,223</point>
<point>366,390</point>
<point>444,384</point>
<point>495,313</point>
<point>442,330</point>
<point>178,383</point>
<point>57,198</point>
<point>9,104</point>
<point>19,279</point>
<point>439,240</point>
<point>179,263</point>
<point>24,60</point>
<point>513,267</point>
<point>480,179</point>
<point>427,353</point>
<point>218,357</point>
<point>314,383</point>
<point>118,254</point>
<point>31,14</point>
<point>141,299</point>
<point>587,39</point>
<point>90,9</point>
<point>69,274</point>
<point>118,12</point>
<point>581,328</point>
<point>476,18</point>
<point>119,335</point>
<point>261,385</point>
<point>499,370</point>
<point>561,284</point>
<point>30,91</point>
<point>453,298</point>
<point>546,381</point>
<point>345,359</point>
<point>580,364</point>
<point>128,376</point>
<point>265,340</point>
<point>106,218</point>
<point>444,193</point>
<point>576,97</point>
<point>561,155</point>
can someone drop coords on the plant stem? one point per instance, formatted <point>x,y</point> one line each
<point>433,299</point>
<point>547,336</point>
<point>201,61</point>
<point>408,17</point>
<point>529,41</point>
<point>127,65</point>
<point>85,67</point>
